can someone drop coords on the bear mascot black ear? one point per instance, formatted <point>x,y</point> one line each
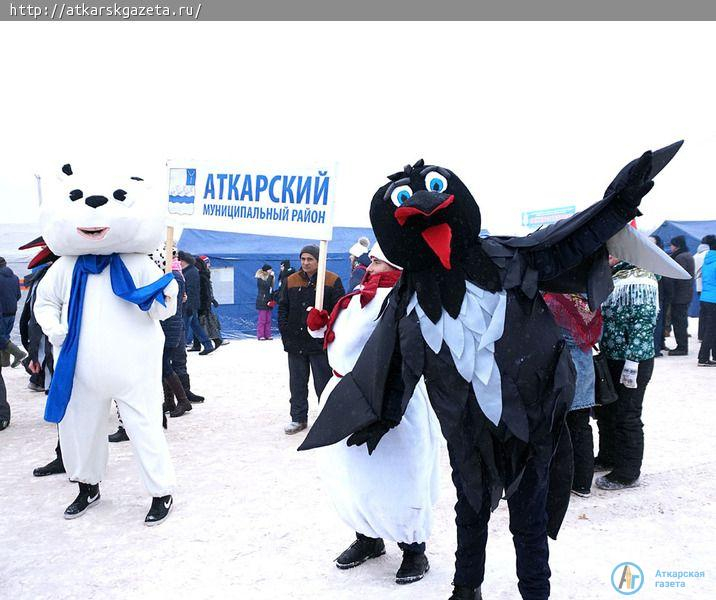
<point>67,169</point>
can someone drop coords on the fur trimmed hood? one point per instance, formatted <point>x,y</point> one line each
<point>265,275</point>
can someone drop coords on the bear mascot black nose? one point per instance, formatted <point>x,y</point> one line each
<point>96,201</point>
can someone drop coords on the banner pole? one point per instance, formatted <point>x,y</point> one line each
<point>321,276</point>
<point>168,248</point>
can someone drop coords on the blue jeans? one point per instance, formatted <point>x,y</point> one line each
<point>192,328</point>
<point>6,324</point>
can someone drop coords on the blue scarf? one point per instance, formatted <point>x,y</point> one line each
<point>123,286</point>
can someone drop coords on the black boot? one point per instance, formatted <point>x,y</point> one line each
<point>159,511</point>
<point>183,404</point>
<point>169,405</point>
<point>16,353</point>
<point>413,567</point>
<point>208,348</point>
<point>360,551</point>
<point>88,496</point>
<point>54,467</point>
<point>195,347</point>
<point>460,592</point>
<point>186,384</point>
<point>119,436</point>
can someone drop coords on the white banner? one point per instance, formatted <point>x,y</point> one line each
<point>290,202</point>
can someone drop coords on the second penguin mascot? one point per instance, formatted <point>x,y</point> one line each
<point>389,494</point>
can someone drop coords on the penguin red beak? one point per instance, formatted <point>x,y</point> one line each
<point>424,204</point>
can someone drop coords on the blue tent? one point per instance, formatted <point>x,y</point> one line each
<point>235,258</point>
<point>693,232</point>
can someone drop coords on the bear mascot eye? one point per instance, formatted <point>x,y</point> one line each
<point>76,195</point>
<point>120,195</point>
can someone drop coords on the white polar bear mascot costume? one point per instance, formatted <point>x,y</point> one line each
<point>100,305</point>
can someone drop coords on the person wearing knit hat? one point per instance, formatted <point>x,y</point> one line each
<point>305,355</point>
<point>680,293</point>
<point>264,301</point>
<point>359,261</point>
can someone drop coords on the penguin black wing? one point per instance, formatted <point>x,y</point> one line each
<point>571,255</point>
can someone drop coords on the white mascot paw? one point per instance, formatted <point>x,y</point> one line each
<point>57,336</point>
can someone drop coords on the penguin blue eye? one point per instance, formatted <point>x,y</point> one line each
<point>435,182</point>
<point>401,195</point>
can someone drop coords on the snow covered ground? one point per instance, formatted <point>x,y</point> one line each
<point>251,520</point>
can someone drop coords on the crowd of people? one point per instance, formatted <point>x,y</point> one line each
<point>629,328</point>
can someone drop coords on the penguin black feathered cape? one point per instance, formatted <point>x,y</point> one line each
<point>468,317</point>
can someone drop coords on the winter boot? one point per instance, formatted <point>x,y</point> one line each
<point>295,427</point>
<point>186,384</point>
<point>607,483</point>
<point>361,550</point>
<point>208,349</point>
<point>4,359</point>
<point>161,507</point>
<point>413,567</point>
<point>54,467</point>
<point>119,436</point>
<point>195,347</point>
<point>169,405</point>
<point>4,424</point>
<point>460,592</point>
<point>18,354</point>
<point>88,496</point>
<point>183,404</point>
<point>219,342</point>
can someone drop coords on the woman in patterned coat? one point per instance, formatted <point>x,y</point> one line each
<point>628,340</point>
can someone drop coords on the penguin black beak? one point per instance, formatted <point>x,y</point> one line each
<point>424,204</point>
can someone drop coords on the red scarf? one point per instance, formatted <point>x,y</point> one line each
<point>367,291</point>
<point>571,312</point>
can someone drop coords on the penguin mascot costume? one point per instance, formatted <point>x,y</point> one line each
<point>468,318</point>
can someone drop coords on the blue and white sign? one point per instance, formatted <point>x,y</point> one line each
<point>270,200</point>
<point>537,218</point>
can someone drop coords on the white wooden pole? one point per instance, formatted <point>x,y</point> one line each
<point>321,277</point>
<point>39,190</point>
<point>168,248</point>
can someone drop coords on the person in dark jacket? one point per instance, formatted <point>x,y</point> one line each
<point>207,317</point>
<point>679,293</point>
<point>192,326</point>
<point>707,352</point>
<point>264,301</point>
<point>39,361</point>
<point>359,262</point>
<point>304,352</point>
<point>284,273</point>
<point>9,295</point>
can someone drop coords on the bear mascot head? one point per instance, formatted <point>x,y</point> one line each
<point>100,213</point>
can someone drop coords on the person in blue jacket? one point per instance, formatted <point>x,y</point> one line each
<point>707,353</point>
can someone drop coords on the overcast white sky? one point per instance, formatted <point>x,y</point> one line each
<point>529,115</point>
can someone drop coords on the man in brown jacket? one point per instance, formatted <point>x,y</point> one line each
<point>305,354</point>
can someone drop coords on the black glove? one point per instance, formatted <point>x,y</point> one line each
<point>370,435</point>
<point>633,183</point>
